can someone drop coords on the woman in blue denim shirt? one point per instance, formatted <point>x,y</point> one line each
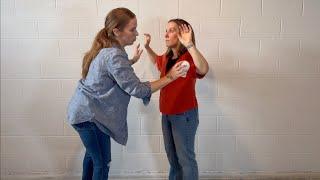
<point>98,108</point>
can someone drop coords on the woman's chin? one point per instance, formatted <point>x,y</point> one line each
<point>131,43</point>
<point>169,45</point>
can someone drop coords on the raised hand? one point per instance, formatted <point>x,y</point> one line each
<point>147,40</point>
<point>137,54</point>
<point>185,35</point>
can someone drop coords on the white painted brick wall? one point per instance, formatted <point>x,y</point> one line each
<point>240,8</point>
<point>282,7</point>
<point>259,103</point>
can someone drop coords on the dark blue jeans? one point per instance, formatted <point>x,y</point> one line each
<point>98,151</point>
<point>179,135</point>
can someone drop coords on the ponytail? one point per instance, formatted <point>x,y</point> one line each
<point>116,18</point>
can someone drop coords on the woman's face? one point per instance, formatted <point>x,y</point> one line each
<point>171,35</point>
<point>129,33</point>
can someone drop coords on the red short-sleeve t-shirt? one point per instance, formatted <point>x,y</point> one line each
<point>178,96</point>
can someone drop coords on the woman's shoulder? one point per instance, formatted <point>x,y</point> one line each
<point>112,51</point>
<point>186,56</point>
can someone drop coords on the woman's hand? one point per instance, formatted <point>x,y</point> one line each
<point>152,55</point>
<point>185,35</point>
<point>147,40</point>
<point>176,71</point>
<point>137,54</point>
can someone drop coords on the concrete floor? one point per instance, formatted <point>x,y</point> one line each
<point>248,176</point>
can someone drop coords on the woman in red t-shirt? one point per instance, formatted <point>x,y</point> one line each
<point>178,102</point>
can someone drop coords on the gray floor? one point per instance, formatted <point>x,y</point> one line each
<point>251,176</point>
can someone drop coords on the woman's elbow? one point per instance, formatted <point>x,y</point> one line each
<point>203,70</point>
<point>206,69</point>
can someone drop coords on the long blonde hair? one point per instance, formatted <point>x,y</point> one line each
<point>116,18</point>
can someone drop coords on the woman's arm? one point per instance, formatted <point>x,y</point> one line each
<point>120,69</point>
<point>175,72</point>
<point>185,38</point>
<point>152,55</point>
<point>199,61</point>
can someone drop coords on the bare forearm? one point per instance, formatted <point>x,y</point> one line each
<point>160,83</point>
<point>199,61</point>
<point>152,55</point>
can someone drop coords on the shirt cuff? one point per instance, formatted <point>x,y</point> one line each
<point>146,99</point>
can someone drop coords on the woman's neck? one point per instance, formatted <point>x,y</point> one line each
<point>119,46</point>
<point>175,53</point>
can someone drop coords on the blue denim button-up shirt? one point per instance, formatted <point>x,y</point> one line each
<point>103,96</point>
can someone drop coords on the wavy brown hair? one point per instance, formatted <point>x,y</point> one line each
<point>181,49</point>
<point>116,18</point>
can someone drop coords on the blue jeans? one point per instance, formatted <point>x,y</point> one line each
<point>98,151</point>
<point>179,135</point>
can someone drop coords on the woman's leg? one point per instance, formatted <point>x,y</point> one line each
<point>97,146</point>
<point>175,172</point>
<point>184,129</point>
<point>105,145</point>
<point>87,167</point>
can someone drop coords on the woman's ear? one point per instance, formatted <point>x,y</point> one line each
<point>116,32</point>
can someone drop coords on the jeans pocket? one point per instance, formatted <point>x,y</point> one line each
<point>192,118</point>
